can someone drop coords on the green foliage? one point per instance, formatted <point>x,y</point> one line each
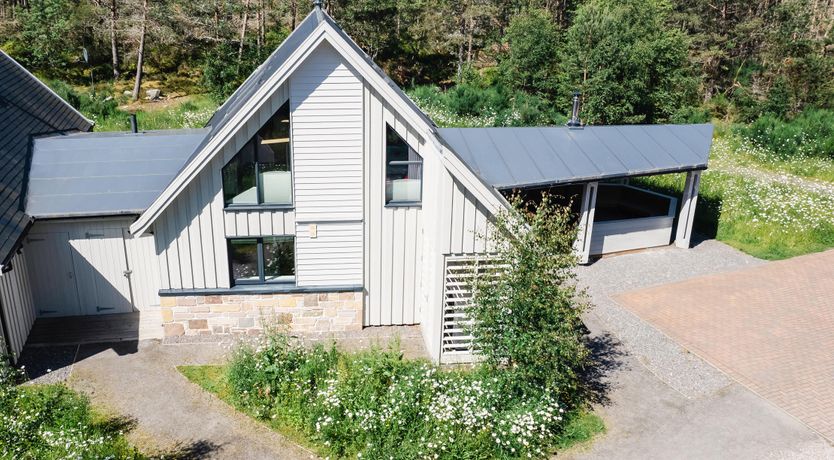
<point>469,104</point>
<point>222,73</point>
<point>95,105</point>
<point>378,405</point>
<point>193,113</point>
<point>526,306</point>
<point>630,66</point>
<point>810,134</point>
<point>52,422</point>
<point>530,64</point>
<point>42,36</point>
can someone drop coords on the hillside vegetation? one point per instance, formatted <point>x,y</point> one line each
<point>761,70</point>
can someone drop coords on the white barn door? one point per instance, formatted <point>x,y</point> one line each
<point>51,274</point>
<point>101,271</point>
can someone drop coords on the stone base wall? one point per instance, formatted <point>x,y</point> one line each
<point>247,314</point>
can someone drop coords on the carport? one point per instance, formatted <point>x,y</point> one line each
<point>594,164</point>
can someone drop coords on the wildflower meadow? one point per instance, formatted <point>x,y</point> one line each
<point>524,399</point>
<point>53,422</point>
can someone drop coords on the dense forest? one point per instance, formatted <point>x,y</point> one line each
<point>634,61</point>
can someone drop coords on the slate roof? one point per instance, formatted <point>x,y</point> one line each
<point>527,157</point>
<point>99,174</point>
<point>27,108</point>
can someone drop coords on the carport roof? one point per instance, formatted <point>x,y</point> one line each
<point>529,157</point>
<point>97,174</point>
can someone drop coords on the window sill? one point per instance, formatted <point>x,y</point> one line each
<point>275,288</point>
<point>404,204</point>
<point>259,207</point>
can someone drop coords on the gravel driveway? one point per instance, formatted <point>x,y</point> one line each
<point>658,400</point>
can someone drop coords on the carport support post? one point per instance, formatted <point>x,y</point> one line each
<point>687,214</point>
<point>586,222</point>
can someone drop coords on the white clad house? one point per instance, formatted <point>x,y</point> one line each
<point>318,196</point>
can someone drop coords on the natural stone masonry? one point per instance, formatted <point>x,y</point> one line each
<point>247,314</point>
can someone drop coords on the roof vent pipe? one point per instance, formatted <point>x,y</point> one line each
<point>574,121</point>
<point>134,128</point>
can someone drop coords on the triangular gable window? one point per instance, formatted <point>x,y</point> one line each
<point>261,173</point>
<point>403,171</point>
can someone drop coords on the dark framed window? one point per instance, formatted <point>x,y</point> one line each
<point>403,171</point>
<point>268,259</point>
<point>261,172</point>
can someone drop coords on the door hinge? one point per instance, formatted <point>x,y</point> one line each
<point>32,240</point>
<point>46,312</point>
<point>94,235</point>
<point>104,308</point>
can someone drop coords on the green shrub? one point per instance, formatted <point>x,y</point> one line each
<point>526,307</point>
<point>52,422</point>
<point>472,105</point>
<point>810,134</point>
<point>375,404</point>
<point>95,105</point>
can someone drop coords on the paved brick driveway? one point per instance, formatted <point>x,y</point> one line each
<point>771,327</point>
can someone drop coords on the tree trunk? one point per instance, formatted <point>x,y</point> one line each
<point>469,39</point>
<point>141,54</point>
<point>294,13</point>
<point>113,16</point>
<point>243,30</point>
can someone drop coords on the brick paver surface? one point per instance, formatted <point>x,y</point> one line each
<point>771,327</point>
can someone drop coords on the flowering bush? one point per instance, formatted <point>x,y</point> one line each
<point>526,307</point>
<point>374,404</point>
<point>51,421</point>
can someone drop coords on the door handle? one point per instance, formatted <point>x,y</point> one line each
<point>127,273</point>
<point>69,274</point>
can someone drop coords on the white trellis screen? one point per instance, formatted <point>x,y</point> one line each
<point>457,343</point>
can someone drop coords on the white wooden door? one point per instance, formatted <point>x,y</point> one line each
<point>51,274</point>
<point>101,271</point>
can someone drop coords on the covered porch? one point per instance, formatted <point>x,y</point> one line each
<point>591,167</point>
<point>89,329</point>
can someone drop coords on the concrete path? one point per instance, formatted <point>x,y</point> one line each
<point>658,400</point>
<point>138,380</point>
<point>171,413</point>
<point>770,328</point>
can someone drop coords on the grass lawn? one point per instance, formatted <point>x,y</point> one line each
<point>577,431</point>
<point>759,213</point>
<point>185,112</point>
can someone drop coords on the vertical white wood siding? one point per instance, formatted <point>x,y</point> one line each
<point>452,219</point>
<point>17,304</point>
<point>100,251</point>
<point>327,143</point>
<point>393,235</point>
<point>258,223</point>
<point>326,106</point>
<point>191,234</point>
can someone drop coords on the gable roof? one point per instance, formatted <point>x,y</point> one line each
<point>27,108</point>
<point>526,157</point>
<point>104,174</point>
<point>318,26</point>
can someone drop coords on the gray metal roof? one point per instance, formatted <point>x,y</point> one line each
<point>96,174</point>
<point>27,108</point>
<point>529,157</point>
